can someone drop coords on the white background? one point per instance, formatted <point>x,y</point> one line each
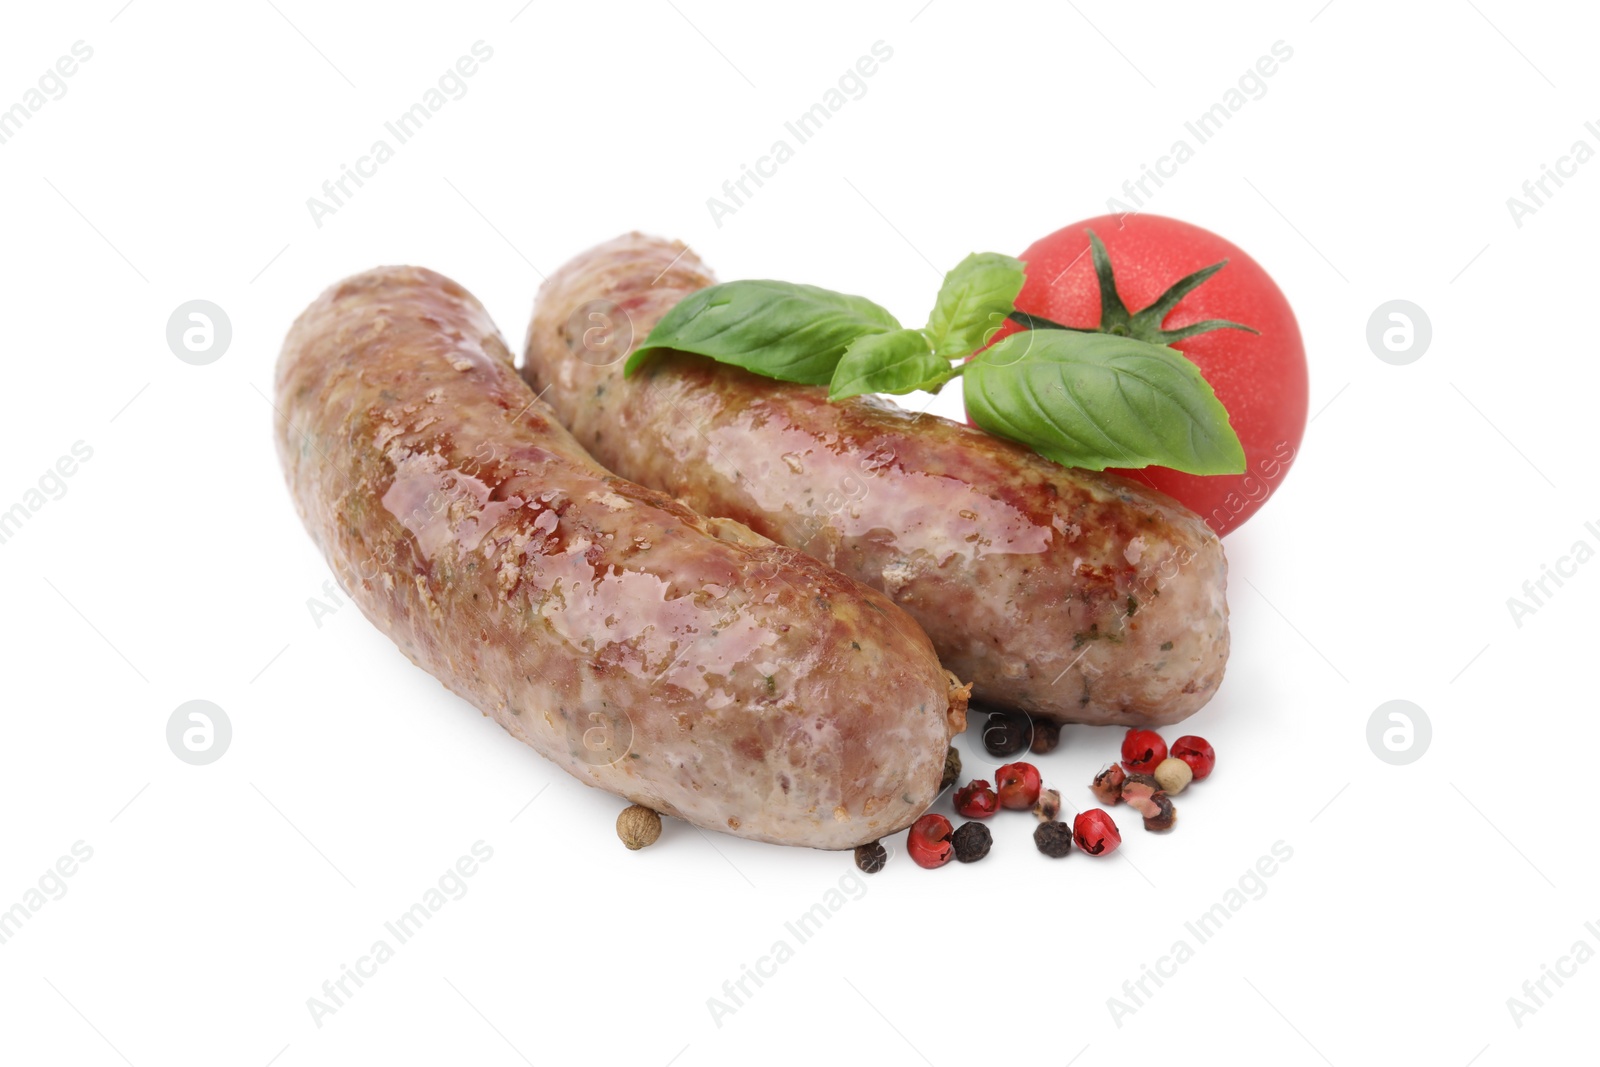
<point>219,898</point>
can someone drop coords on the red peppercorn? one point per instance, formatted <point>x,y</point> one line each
<point>1018,785</point>
<point>1197,753</point>
<point>1107,785</point>
<point>1138,792</point>
<point>1164,815</point>
<point>929,841</point>
<point>976,800</point>
<point>1142,750</point>
<point>1095,833</point>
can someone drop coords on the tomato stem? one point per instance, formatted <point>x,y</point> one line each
<point>1144,325</point>
<point>1039,322</point>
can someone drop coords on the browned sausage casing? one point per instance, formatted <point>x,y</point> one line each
<point>1078,596</point>
<point>687,664</point>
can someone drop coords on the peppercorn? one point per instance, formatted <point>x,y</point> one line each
<point>1095,833</point>
<point>1046,736</point>
<point>976,800</point>
<point>1049,805</point>
<point>1107,785</point>
<point>972,841</point>
<point>1173,774</point>
<point>1197,753</point>
<point>1006,733</point>
<point>1018,785</point>
<point>1142,750</point>
<point>952,769</point>
<point>928,843</point>
<point>871,857</point>
<point>1054,839</point>
<point>1164,815</point>
<point>638,826</point>
<point>1137,791</point>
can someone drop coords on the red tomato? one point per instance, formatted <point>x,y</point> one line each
<point>1259,378</point>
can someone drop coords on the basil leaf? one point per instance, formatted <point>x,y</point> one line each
<point>795,333</point>
<point>1096,400</point>
<point>896,362</point>
<point>973,302</point>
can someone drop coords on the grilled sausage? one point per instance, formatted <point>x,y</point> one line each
<point>1072,595</point>
<point>686,664</point>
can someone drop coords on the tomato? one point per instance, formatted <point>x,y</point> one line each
<point>1259,378</point>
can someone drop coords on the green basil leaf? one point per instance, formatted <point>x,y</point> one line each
<point>795,333</point>
<point>896,362</point>
<point>973,302</point>
<point>1096,400</point>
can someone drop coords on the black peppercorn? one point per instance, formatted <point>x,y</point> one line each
<point>871,858</point>
<point>1046,736</point>
<point>972,841</point>
<point>952,769</point>
<point>1054,839</point>
<point>1006,733</point>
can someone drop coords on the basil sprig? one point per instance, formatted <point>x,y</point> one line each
<point>795,333</point>
<point>973,303</point>
<point>896,362</point>
<point>1095,400</point>
<point>1079,397</point>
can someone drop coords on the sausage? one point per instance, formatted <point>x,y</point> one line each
<point>684,663</point>
<point>1068,594</point>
